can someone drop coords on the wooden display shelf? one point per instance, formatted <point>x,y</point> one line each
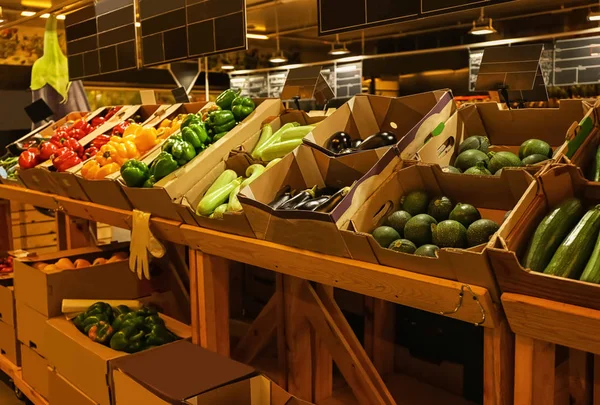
<point>14,372</point>
<point>402,287</point>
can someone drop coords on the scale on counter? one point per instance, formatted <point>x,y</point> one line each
<point>515,72</point>
<point>306,84</point>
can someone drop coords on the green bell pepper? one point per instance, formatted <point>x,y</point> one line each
<point>135,173</point>
<point>168,145</point>
<point>159,335</point>
<point>150,182</point>
<point>183,152</point>
<point>195,134</point>
<point>129,339</point>
<point>242,107</point>
<point>219,136</point>
<point>163,165</point>
<point>120,310</point>
<point>189,120</point>
<point>96,313</point>
<point>101,332</point>
<point>220,121</point>
<point>153,320</point>
<point>225,99</point>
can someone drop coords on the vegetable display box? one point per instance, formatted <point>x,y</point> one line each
<point>293,204</point>
<point>246,168</point>
<point>570,227</point>
<point>530,137</point>
<point>106,191</point>
<point>161,376</point>
<point>37,177</point>
<point>357,134</point>
<point>87,365</point>
<point>43,281</point>
<point>423,220</point>
<point>158,200</point>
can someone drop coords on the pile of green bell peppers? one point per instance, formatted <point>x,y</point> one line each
<point>195,135</point>
<point>123,329</point>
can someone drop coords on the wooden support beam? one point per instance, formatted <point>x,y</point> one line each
<point>281,333</point>
<point>195,308</point>
<point>6,237</point>
<point>261,332</point>
<point>380,333</point>
<point>297,340</point>
<point>580,377</point>
<point>596,396</point>
<point>73,233</point>
<point>498,363</point>
<point>212,282</point>
<point>534,372</point>
<point>322,362</point>
<point>350,357</point>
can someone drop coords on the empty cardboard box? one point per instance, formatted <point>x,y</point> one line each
<point>35,371</point>
<point>32,328</point>
<point>9,345</point>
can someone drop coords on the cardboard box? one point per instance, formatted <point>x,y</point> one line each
<point>492,195</point>
<point>63,392</point>
<point>85,363</point>
<point>9,345</point>
<point>31,331</point>
<point>506,129</point>
<point>35,371</point>
<point>164,376</point>
<point>107,191</point>
<point>552,187</point>
<point>38,178</point>
<point>302,229</point>
<point>159,199</point>
<point>44,291</point>
<point>411,118</point>
<point>7,305</point>
<point>239,161</point>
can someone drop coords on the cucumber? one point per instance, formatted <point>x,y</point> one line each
<point>573,253</point>
<point>550,233</point>
<point>591,273</point>
<point>596,169</point>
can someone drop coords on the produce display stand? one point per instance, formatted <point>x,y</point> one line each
<point>303,308</point>
<point>14,373</point>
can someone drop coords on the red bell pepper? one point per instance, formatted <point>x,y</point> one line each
<point>66,160</point>
<point>100,141</point>
<point>90,152</point>
<point>119,130</point>
<point>77,133</point>
<point>47,150</point>
<point>28,159</point>
<point>112,112</point>
<point>97,121</point>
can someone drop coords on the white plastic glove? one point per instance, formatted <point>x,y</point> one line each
<point>142,242</point>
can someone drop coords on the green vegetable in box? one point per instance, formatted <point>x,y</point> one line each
<point>218,122</point>
<point>225,99</point>
<point>241,107</point>
<point>135,173</point>
<point>183,152</point>
<point>163,165</point>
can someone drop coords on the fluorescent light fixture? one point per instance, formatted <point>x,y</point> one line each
<point>482,27</point>
<point>27,13</point>
<point>227,67</point>
<point>138,24</point>
<point>36,3</point>
<point>338,50</point>
<point>45,15</point>
<point>278,57</point>
<point>594,16</point>
<point>61,17</point>
<point>257,36</point>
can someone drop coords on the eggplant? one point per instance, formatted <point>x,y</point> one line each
<point>312,204</point>
<point>346,151</point>
<point>378,140</point>
<point>339,141</point>
<point>356,143</point>
<point>298,199</point>
<point>279,201</point>
<point>332,202</point>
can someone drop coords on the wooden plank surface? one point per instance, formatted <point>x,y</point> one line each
<point>553,322</point>
<point>418,291</point>
<point>498,365</point>
<point>534,372</point>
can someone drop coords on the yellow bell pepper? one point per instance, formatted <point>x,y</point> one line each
<point>106,170</point>
<point>107,153</point>
<point>131,129</point>
<point>165,123</point>
<point>90,169</point>
<point>163,133</point>
<point>125,151</point>
<point>146,138</point>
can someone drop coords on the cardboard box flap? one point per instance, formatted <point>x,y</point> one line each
<point>171,372</point>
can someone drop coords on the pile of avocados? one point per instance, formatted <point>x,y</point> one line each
<point>424,225</point>
<point>475,159</point>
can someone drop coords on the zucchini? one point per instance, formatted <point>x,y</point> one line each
<point>209,203</point>
<point>296,132</point>
<point>596,173</point>
<point>279,149</point>
<point>573,253</point>
<point>253,172</point>
<point>551,232</point>
<point>265,134</point>
<point>224,179</point>
<point>591,273</point>
<point>234,204</point>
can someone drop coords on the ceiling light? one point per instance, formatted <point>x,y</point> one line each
<point>337,50</point>
<point>227,67</point>
<point>61,17</point>
<point>45,15</point>
<point>278,57</point>
<point>27,13</point>
<point>36,3</point>
<point>257,36</point>
<point>594,16</point>
<point>138,24</point>
<point>482,26</point>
